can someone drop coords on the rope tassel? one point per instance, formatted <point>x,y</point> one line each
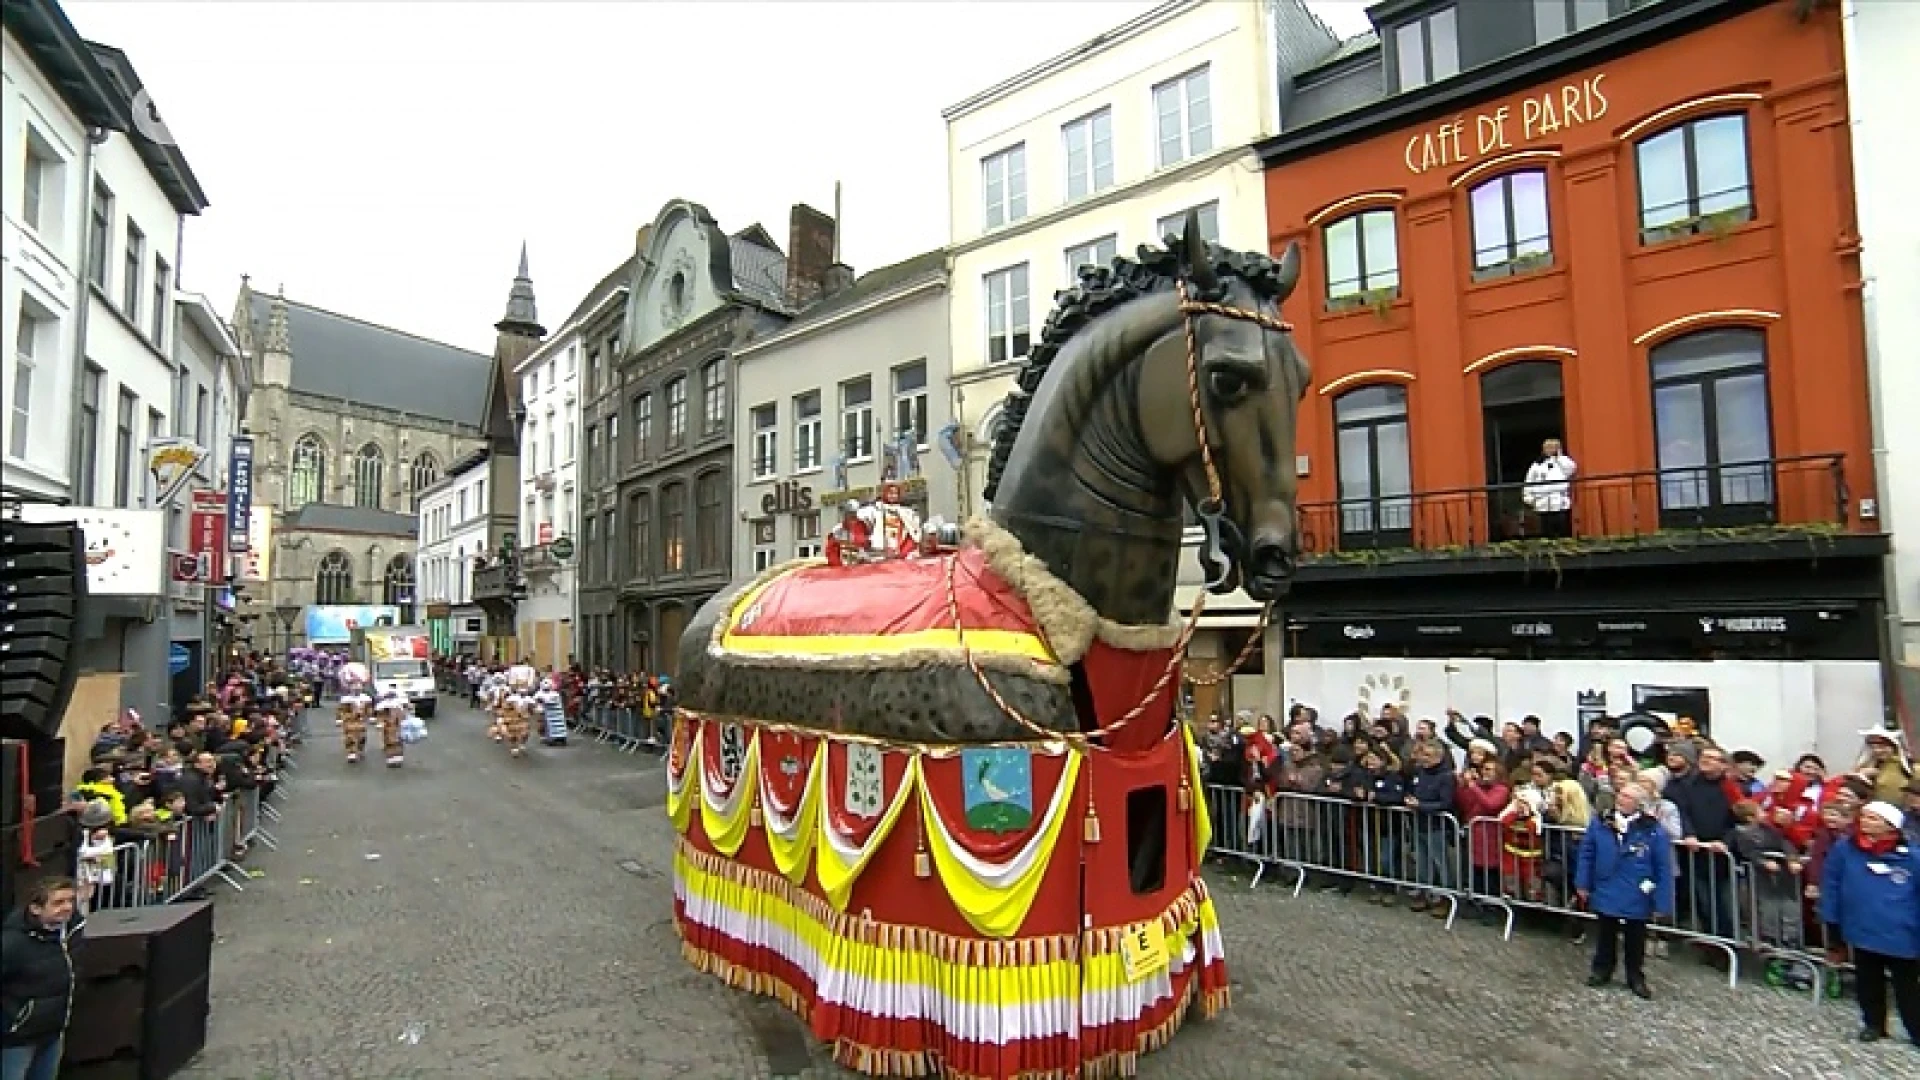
<point>1090,830</point>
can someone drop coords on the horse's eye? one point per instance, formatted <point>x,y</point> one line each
<point>1227,384</point>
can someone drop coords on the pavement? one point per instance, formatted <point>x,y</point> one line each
<point>471,915</point>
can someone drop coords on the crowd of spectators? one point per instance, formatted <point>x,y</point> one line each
<point>635,704</point>
<point>1424,812</point>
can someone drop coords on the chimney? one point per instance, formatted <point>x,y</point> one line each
<point>810,255</point>
<point>839,279</point>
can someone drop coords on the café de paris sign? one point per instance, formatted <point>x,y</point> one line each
<point>1466,139</point>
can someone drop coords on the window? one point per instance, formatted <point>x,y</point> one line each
<point>1712,425</point>
<point>806,533</point>
<point>1510,233</point>
<point>34,182</point>
<point>426,473</point>
<point>1374,461</point>
<point>1428,50</point>
<point>613,438</point>
<point>709,521</point>
<point>591,557</point>
<point>766,441</point>
<point>806,431</point>
<point>21,403</point>
<point>397,585</point>
<point>642,428</point>
<point>533,383</point>
<point>573,359</point>
<point>1089,153</point>
<point>531,440</point>
<point>1003,182</point>
<point>532,532</point>
<point>333,584</point>
<point>673,528</point>
<point>1175,225</point>
<point>638,509</point>
<point>713,394</point>
<point>676,413</point>
<point>1008,334</point>
<point>306,477</point>
<point>593,454</point>
<point>593,371</point>
<point>1553,19</point>
<point>609,541</point>
<point>1183,117</point>
<point>123,448</point>
<point>130,282</point>
<point>856,420</point>
<point>763,541</point>
<point>551,459</point>
<point>910,402</point>
<point>369,474</point>
<point>99,234</point>
<point>90,387</point>
<point>200,431</point>
<point>1098,253</point>
<point>1363,260</point>
<point>572,434</point>
<point>162,300</point>
<point>1694,179</point>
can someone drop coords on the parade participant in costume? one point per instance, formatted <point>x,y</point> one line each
<point>849,540</point>
<point>553,710</point>
<point>893,530</point>
<point>392,711</point>
<point>493,698</point>
<point>354,708</point>
<point>517,719</point>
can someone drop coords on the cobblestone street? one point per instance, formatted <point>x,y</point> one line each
<point>515,923</point>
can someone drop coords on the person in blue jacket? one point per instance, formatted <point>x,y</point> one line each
<point>1870,893</point>
<point>1624,876</point>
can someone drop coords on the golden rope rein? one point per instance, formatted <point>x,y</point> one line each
<point>1188,309</point>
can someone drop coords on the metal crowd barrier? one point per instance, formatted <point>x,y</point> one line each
<point>626,728</point>
<point>1487,863</point>
<point>202,850</point>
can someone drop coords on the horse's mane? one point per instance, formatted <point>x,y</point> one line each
<point>1100,290</point>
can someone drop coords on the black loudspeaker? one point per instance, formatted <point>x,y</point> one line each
<point>140,994</point>
<point>43,578</point>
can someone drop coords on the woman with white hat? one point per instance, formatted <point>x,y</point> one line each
<point>1870,895</point>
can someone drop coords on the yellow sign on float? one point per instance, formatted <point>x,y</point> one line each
<point>1143,950</point>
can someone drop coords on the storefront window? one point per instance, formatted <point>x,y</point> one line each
<point>1375,464</point>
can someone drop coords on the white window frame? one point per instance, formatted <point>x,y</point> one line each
<point>1373,279</point>
<point>1175,224</point>
<point>713,395</point>
<point>1008,170</point>
<point>26,346</point>
<point>911,404</point>
<point>1176,98</point>
<point>764,533</point>
<point>1011,291</point>
<point>676,412</point>
<point>36,200</point>
<point>806,434</point>
<point>856,417</point>
<point>1091,137</point>
<point>765,464</point>
<point>1099,253</point>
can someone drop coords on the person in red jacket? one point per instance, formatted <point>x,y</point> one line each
<point>1784,807</point>
<point>849,541</point>
<point>1480,802</point>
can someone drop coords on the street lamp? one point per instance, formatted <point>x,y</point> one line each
<point>288,614</point>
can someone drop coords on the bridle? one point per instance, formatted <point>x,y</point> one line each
<point>1213,562</point>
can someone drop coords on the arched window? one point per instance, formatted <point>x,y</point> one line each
<point>426,472</point>
<point>710,523</point>
<point>307,473</point>
<point>1363,260</point>
<point>1713,428</point>
<point>1510,233</point>
<point>369,473</point>
<point>673,528</point>
<point>333,584</point>
<point>399,581</point>
<point>1374,459</point>
<point>1694,178</point>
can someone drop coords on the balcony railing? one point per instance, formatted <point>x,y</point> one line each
<point>1723,503</point>
<point>496,582</point>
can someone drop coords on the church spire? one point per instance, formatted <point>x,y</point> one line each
<point>521,317</point>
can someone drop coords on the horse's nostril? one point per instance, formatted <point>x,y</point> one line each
<point>1272,560</point>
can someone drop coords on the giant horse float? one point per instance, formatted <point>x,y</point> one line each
<point>941,806</point>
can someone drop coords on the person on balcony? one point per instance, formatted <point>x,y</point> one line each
<point>1549,490</point>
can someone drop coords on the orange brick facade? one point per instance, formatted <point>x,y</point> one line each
<point>1608,295</point>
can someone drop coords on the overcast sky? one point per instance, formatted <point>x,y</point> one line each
<point>385,160</point>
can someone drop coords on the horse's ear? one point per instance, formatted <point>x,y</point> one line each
<point>1194,254</point>
<point>1287,275</point>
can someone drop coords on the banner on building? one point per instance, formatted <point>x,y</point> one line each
<point>239,493</point>
<point>125,548</point>
<point>257,564</point>
<point>171,462</point>
<point>208,541</point>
